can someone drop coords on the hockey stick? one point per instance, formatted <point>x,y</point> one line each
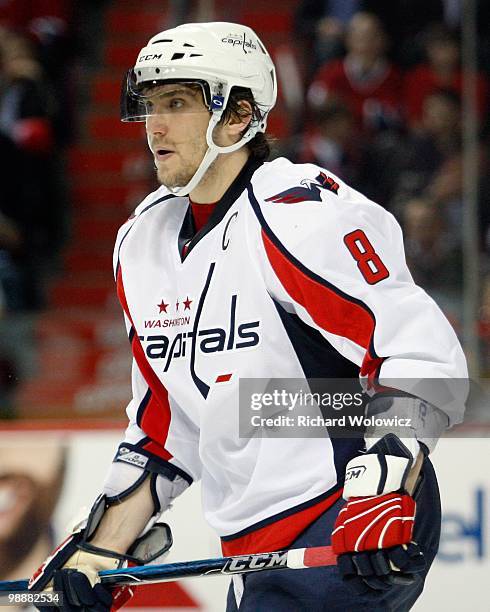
<point>296,558</point>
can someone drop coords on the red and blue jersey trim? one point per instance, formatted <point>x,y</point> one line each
<point>279,531</point>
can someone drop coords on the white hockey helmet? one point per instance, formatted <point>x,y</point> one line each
<point>218,56</point>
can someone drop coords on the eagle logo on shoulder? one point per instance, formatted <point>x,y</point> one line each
<point>307,191</point>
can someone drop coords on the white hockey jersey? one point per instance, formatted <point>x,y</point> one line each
<point>295,275</point>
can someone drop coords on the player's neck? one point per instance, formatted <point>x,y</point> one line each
<point>219,177</point>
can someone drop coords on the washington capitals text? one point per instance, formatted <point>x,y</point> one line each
<point>212,340</point>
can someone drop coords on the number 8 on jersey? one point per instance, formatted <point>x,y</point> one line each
<point>368,261</point>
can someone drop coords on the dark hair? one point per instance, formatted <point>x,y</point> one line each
<point>260,145</point>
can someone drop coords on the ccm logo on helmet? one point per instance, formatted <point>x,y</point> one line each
<point>145,58</point>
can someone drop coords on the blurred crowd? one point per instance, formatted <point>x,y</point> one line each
<point>384,95</point>
<point>39,47</point>
<point>35,127</point>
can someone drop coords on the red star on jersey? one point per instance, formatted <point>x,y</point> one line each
<point>162,307</point>
<point>187,303</point>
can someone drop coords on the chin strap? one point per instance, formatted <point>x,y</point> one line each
<point>212,153</point>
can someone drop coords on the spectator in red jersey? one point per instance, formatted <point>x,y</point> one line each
<point>441,70</point>
<point>365,80</point>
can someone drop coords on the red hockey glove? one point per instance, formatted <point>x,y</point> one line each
<point>372,535</point>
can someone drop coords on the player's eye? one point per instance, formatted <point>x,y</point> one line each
<point>176,103</point>
<point>165,104</point>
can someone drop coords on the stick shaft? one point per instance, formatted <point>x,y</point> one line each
<point>299,558</point>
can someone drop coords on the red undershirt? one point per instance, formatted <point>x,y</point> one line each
<point>201,213</point>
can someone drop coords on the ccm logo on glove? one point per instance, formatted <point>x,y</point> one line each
<point>356,471</point>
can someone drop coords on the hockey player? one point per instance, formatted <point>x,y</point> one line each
<point>239,268</point>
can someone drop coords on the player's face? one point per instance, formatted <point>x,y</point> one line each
<point>176,132</point>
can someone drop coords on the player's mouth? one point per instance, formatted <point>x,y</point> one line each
<point>163,154</point>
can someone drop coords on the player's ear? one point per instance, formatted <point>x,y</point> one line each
<point>239,120</point>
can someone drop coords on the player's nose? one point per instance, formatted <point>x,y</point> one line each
<point>157,124</point>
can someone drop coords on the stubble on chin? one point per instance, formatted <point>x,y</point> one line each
<point>175,179</point>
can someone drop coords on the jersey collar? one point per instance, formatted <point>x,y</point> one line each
<point>188,237</point>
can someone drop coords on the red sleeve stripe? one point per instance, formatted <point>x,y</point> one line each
<point>370,367</point>
<point>154,420</point>
<point>156,449</point>
<point>328,307</point>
